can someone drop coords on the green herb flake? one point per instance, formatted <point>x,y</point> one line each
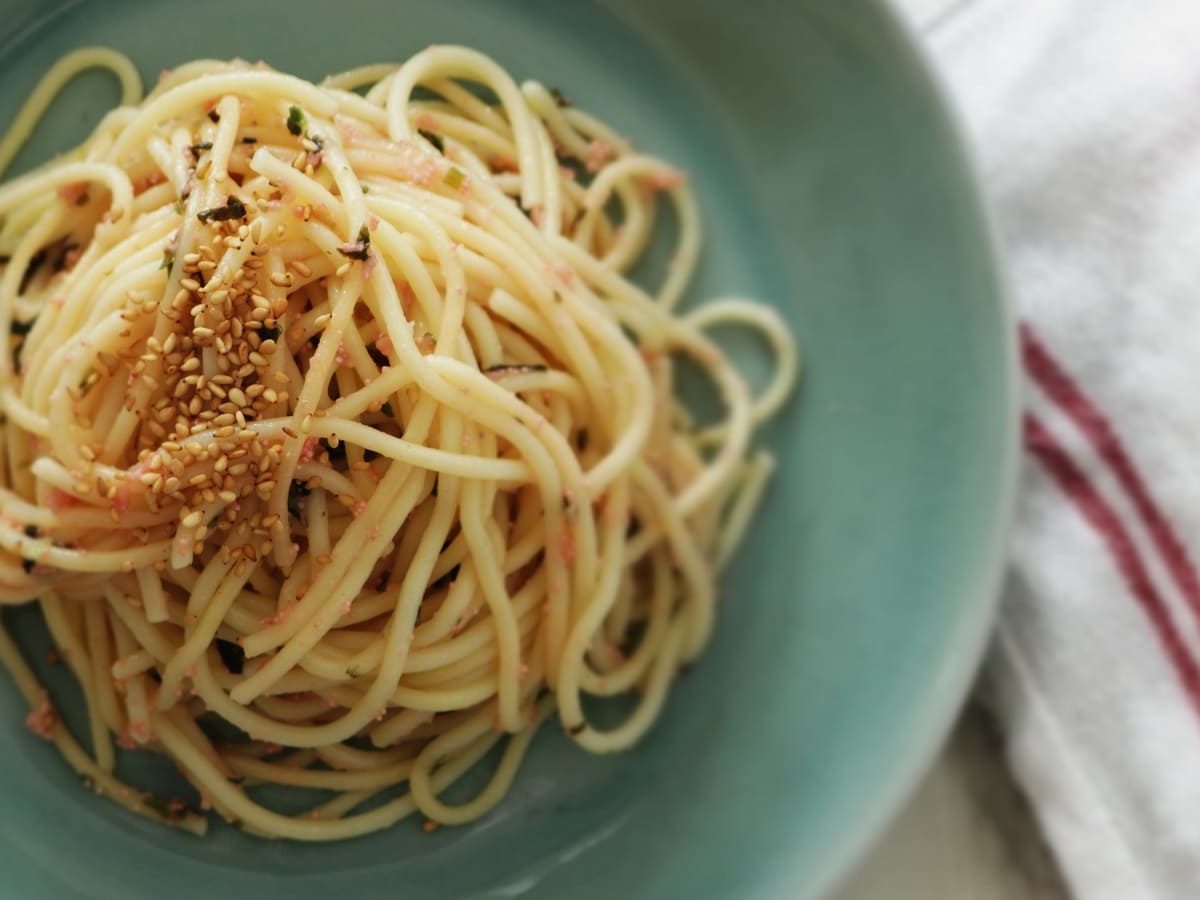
<point>361,249</point>
<point>233,209</point>
<point>454,177</point>
<point>295,121</point>
<point>168,260</point>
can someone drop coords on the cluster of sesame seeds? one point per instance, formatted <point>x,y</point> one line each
<point>198,391</point>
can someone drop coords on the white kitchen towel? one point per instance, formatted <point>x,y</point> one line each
<point>1085,115</point>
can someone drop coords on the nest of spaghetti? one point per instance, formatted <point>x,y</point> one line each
<point>339,448</point>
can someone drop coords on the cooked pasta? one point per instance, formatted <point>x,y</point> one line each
<point>339,445</point>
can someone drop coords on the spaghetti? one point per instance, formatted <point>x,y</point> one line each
<point>339,447</point>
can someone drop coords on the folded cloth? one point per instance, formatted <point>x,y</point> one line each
<point>1085,116</point>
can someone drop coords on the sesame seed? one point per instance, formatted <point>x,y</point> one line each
<point>342,269</point>
<point>189,284</point>
<point>281,279</point>
<point>192,519</point>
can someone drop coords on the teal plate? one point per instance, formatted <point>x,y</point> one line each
<point>834,185</point>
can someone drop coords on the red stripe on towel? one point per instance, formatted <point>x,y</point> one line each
<point>1097,511</point>
<point>1062,389</point>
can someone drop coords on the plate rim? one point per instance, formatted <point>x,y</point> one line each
<point>960,667</point>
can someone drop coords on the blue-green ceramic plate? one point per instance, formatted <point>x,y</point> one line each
<point>834,185</point>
